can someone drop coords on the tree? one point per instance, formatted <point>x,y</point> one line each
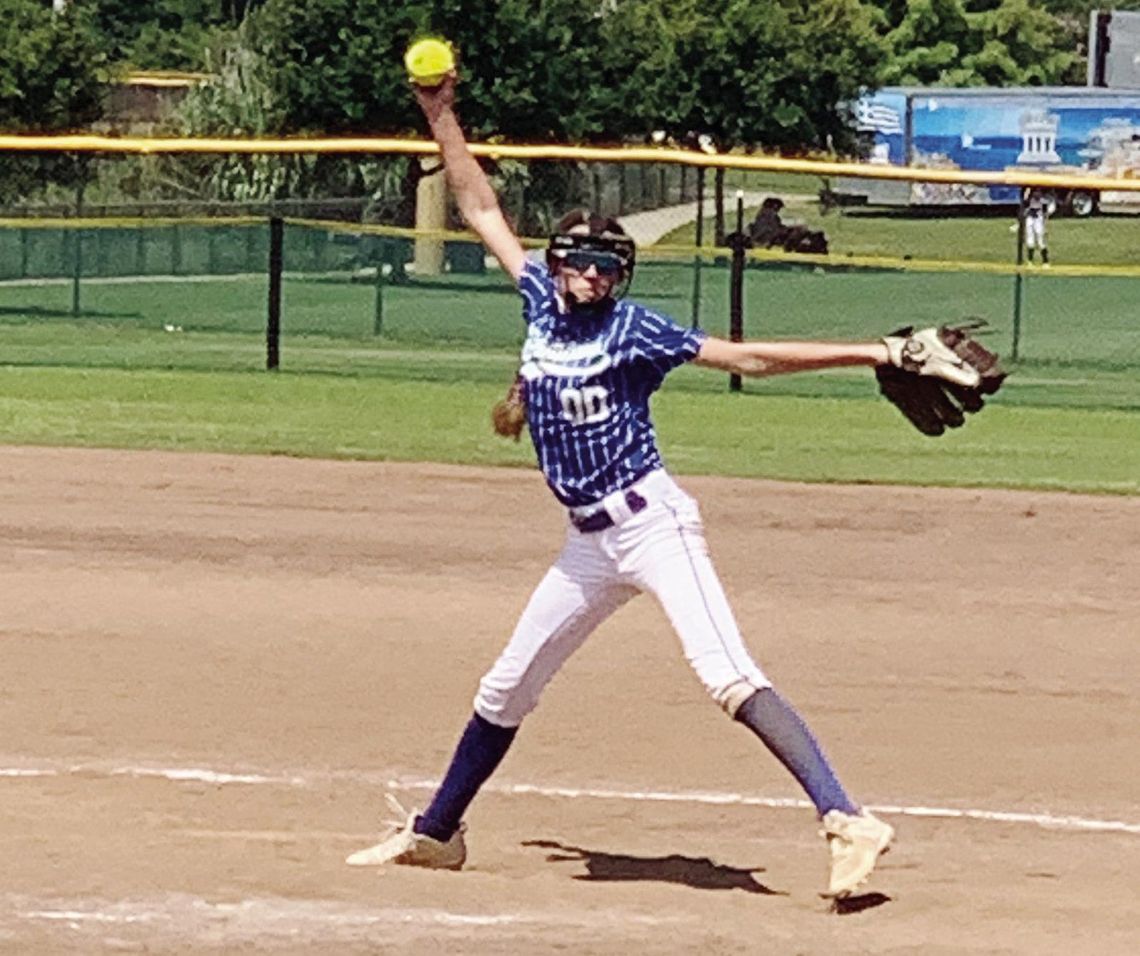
<point>1019,44</point>
<point>929,44</point>
<point>773,76</point>
<point>164,34</point>
<point>239,100</point>
<point>532,70</point>
<point>987,42</point>
<point>51,81</point>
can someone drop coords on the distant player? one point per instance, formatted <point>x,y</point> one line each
<point>590,363</point>
<point>1038,206</point>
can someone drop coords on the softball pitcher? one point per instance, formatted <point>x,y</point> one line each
<point>590,363</point>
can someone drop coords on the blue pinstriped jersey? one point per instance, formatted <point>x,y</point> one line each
<point>589,377</point>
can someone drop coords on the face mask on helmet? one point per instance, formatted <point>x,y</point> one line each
<point>584,240</point>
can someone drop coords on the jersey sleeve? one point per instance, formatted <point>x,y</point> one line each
<point>536,286</point>
<point>662,342</point>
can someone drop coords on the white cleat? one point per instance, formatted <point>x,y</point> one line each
<point>406,847</point>
<point>856,841</point>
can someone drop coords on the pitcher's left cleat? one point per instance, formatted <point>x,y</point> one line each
<point>856,841</point>
<point>406,847</point>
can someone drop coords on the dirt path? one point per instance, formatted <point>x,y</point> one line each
<point>214,666</point>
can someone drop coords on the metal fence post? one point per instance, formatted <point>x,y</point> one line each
<point>1017,277</point>
<point>736,287</point>
<point>696,322</point>
<point>276,266</point>
<point>378,310</point>
<point>77,249</point>
<point>175,250</point>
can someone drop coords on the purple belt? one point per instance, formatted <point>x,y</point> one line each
<point>600,520</point>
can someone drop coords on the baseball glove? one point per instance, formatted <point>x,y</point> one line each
<point>937,376</point>
<point>508,416</point>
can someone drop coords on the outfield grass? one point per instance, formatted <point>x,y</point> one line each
<point>757,434</point>
<point>760,180</point>
<point>179,364</point>
<point>1099,240</point>
<point>1080,327</point>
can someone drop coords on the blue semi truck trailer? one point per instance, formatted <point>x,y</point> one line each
<point>1075,129</point>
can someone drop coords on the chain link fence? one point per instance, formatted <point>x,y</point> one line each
<point>182,279</point>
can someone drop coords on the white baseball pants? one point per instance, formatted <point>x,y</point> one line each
<point>1034,232</point>
<point>660,549</point>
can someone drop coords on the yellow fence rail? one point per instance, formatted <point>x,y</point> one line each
<point>816,167</point>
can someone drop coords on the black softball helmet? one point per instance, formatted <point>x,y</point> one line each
<point>583,238</point>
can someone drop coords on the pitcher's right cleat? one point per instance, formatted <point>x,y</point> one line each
<point>406,847</point>
<point>856,842</point>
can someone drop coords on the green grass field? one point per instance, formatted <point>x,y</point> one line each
<point>1080,327</point>
<point>179,364</point>
<point>756,434</point>
<point>1112,240</point>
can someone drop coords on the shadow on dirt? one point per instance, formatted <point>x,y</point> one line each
<point>850,905</point>
<point>698,872</point>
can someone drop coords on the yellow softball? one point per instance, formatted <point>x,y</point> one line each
<point>428,61</point>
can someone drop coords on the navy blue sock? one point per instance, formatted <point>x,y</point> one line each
<point>480,750</point>
<point>784,732</point>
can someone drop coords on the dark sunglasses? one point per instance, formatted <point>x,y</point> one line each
<point>606,263</point>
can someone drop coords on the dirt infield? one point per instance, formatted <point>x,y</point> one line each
<point>214,667</point>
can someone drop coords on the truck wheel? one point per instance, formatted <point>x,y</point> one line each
<point>1082,203</point>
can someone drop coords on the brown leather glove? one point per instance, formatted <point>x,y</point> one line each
<point>938,376</point>
<point>508,416</point>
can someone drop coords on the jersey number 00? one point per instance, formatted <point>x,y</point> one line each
<point>585,406</point>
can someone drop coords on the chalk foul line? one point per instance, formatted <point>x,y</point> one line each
<point>1046,820</point>
<point>203,775</point>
